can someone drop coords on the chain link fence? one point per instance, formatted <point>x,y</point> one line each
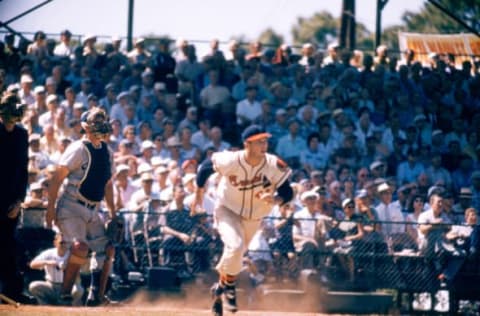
<point>334,259</point>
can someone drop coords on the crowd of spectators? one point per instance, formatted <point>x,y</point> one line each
<point>371,139</point>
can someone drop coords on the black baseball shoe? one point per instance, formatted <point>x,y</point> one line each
<point>217,307</point>
<point>230,295</point>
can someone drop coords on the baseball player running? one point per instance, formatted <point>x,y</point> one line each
<point>251,182</point>
<point>87,166</point>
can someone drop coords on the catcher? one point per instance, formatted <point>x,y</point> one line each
<point>87,165</point>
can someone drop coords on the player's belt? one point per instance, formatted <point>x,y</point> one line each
<point>90,206</point>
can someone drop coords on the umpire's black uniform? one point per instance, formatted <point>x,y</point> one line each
<point>13,185</point>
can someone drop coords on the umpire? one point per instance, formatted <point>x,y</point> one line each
<point>13,186</point>
<point>87,168</point>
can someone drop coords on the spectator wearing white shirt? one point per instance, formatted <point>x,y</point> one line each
<point>248,109</point>
<point>389,212</point>
<point>53,262</point>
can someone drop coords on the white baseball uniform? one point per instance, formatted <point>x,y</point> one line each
<point>239,209</point>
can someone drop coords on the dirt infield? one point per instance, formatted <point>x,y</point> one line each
<point>128,310</point>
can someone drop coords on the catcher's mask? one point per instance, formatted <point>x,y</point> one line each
<point>96,122</point>
<point>11,110</point>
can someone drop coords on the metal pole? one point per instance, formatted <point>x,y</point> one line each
<point>378,25</point>
<point>26,12</point>
<point>130,24</point>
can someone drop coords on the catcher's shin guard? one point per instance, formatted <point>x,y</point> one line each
<point>106,269</point>
<point>77,258</point>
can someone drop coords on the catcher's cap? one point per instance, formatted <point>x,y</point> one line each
<point>254,132</point>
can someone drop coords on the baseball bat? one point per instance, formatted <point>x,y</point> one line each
<point>9,300</point>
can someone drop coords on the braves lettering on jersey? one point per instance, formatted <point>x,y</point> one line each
<point>241,184</point>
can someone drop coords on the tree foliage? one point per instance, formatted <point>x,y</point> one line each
<point>320,29</point>
<point>270,38</point>
<point>430,19</point>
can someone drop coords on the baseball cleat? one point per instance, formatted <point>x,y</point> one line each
<point>217,307</point>
<point>230,298</point>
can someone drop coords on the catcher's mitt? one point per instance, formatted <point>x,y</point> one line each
<point>115,229</point>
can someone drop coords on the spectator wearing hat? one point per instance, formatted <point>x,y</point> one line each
<point>309,234</point>
<point>348,235</point>
<point>90,53</point>
<point>26,90</point>
<point>389,212</point>
<point>291,145</point>
<point>162,182</point>
<point>110,97</point>
<point>464,201</point>
<point>37,156</point>
<point>148,83</point>
<point>409,170</point>
<point>141,197</point>
<point>49,116</point>
<point>117,111</point>
<point>139,54</point>
<point>123,188</point>
<point>35,197</point>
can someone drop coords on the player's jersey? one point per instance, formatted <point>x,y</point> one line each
<point>77,159</point>
<point>241,185</point>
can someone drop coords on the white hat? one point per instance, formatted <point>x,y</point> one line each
<point>347,201</point>
<point>122,94</point>
<point>144,168</point>
<point>122,167</point>
<point>188,177</point>
<point>309,194</point>
<point>437,132</point>
<point>33,137</point>
<point>383,187</point>
<point>139,40</point>
<point>51,98</point>
<point>280,112</point>
<point>39,89</point>
<point>146,176</point>
<point>173,141</point>
<point>116,38</point>
<point>78,106</point>
<point>26,79</point>
<point>89,37</point>
<point>161,169</point>
<point>146,144</point>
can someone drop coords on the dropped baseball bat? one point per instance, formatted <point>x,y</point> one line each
<point>9,300</point>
